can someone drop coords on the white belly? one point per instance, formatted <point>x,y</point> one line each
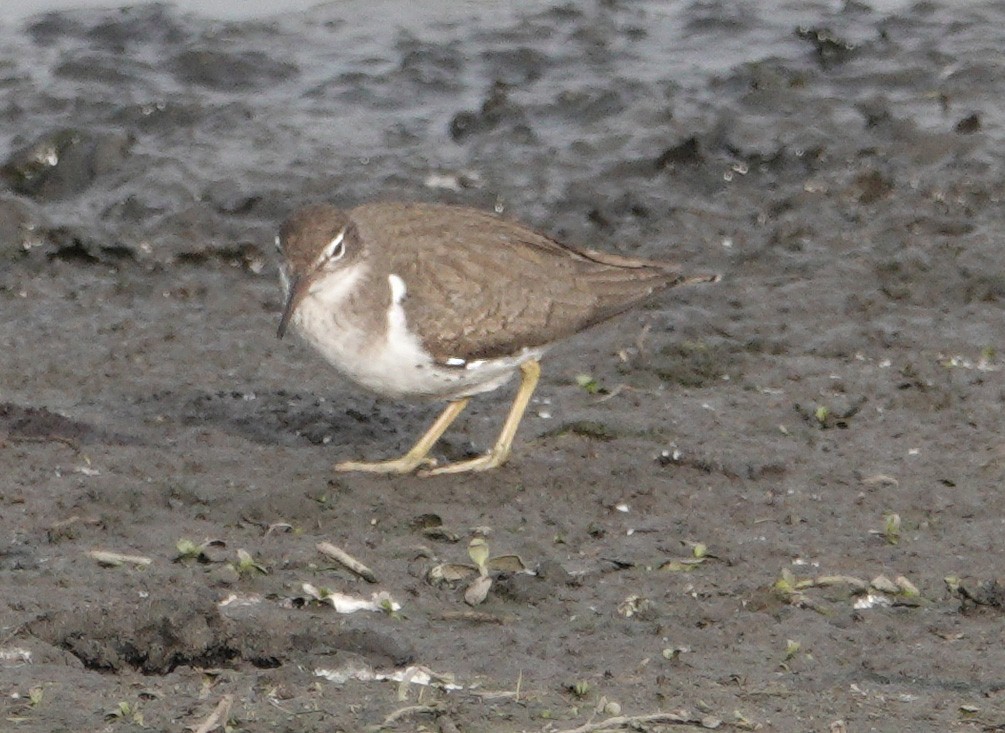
<point>393,364</point>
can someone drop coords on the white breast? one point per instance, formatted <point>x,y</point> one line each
<point>393,363</point>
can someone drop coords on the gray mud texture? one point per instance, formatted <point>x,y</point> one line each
<point>774,503</point>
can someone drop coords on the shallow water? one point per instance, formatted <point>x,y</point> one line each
<point>337,102</point>
<point>219,9</point>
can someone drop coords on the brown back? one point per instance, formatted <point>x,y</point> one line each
<point>480,286</point>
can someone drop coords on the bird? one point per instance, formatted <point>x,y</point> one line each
<point>443,302</point>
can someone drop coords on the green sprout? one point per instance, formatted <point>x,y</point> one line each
<point>125,711</point>
<point>588,383</point>
<point>891,528</point>
<point>478,551</point>
<point>187,549</point>
<point>246,564</point>
<point>822,413</point>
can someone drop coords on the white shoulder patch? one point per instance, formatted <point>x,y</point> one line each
<point>398,289</point>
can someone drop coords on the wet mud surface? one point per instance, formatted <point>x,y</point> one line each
<point>775,504</point>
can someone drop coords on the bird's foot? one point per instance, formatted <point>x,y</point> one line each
<point>492,459</point>
<point>394,467</point>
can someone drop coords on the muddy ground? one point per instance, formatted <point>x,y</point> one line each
<point>776,504</point>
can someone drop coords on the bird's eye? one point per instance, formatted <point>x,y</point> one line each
<point>335,249</point>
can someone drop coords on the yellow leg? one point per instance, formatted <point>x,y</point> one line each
<point>417,456</point>
<point>530,373</point>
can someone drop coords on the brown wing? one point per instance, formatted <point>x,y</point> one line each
<point>479,286</point>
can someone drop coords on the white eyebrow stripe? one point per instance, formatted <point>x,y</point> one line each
<point>330,248</point>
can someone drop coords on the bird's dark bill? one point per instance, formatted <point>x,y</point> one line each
<point>298,289</point>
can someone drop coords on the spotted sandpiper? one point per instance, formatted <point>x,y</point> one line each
<point>443,302</point>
